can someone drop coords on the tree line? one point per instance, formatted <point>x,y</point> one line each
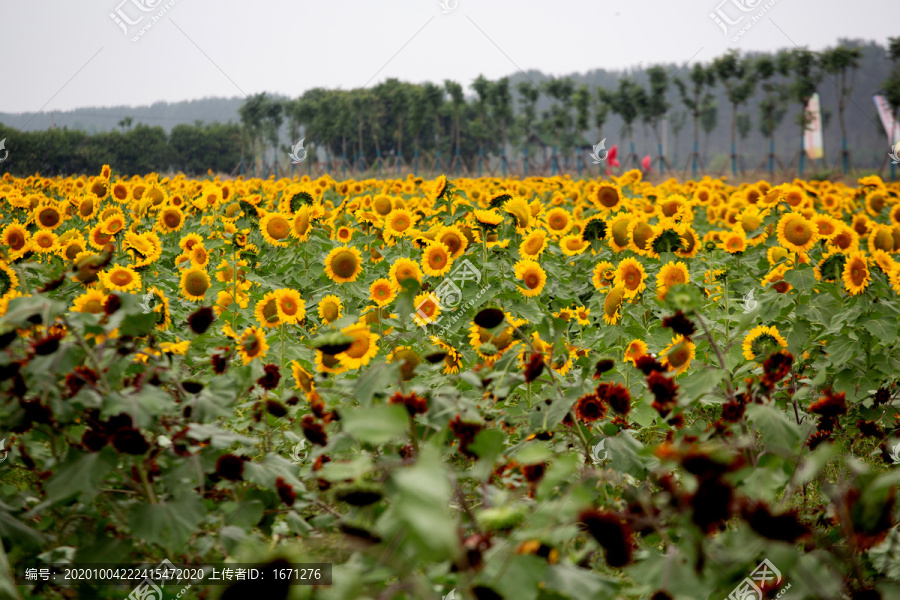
<point>519,125</point>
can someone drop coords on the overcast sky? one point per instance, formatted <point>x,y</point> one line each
<point>65,54</point>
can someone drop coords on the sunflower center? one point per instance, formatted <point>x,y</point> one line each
<point>288,307</point>
<point>171,218</point>
<point>452,242</point>
<point>679,355</point>
<point>609,197</point>
<point>344,264</point>
<point>798,232</point>
<point>277,228</point>
<point>301,223</point>
<point>73,250</point>
<point>642,232</point>
<point>251,345</point>
<point>99,189</point>
<point>400,223</point>
<point>16,240</point>
<point>532,279</point>
<point>93,306</point>
<point>270,312</point>
<point>86,208</point>
<point>358,347</point>
<point>857,273</point>
<point>763,345</point>
<point>330,311</point>
<point>196,284</point>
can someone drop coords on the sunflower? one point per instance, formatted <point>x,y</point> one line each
<point>856,273</point>
<point>16,238</point>
<point>398,223</point>
<point>403,269</point>
<point>326,363</point>
<point>640,234</point>
<point>573,244</point>
<point>113,224</point>
<point>47,216</point>
<point>519,209</point>
<point>290,306</point>
<point>343,264</point>
<point>483,340</point>
<point>876,200</point>
<point>382,292</point>
<point>612,305</point>
<point>452,359</point>
<point>690,245</point>
<point>558,221</point>
<point>880,238</point>
<point>488,219</point>
<point>194,283</point>
<point>634,350</point>
<point>89,302</point>
<point>761,342</point>
<point>438,188</point>
<point>120,279</point>
<point>227,271</point>
<point>187,242</point>
<point>275,228</point>
<point>582,315</point>
<point>252,344</point>
<point>532,275</point>
<point>796,232</point>
<point>362,348</point>
<point>266,311</point>
<point>408,358</point>
<point>534,244</point>
<point>436,260</point>
<point>454,239</point>
<point>606,197</point>
<point>343,234</point>
<point>170,219</point>
<point>677,356</point>
<point>427,307</point>
<point>828,226</point>
<point>775,278</point>
<point>604,275</point>
<point>303,379</point>
<point>44,241</point>
<point>199,256</point>
<point>225,299</point>
<point>300,225</point>
<point>845,238</point>
<point>733,241</point>
<point>8,280</point>
<point>670,275</point>
<point>330,308</point>
<point>631,276</point>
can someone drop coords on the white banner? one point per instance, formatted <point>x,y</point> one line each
<point>812,137</point>
<point>887,118</point>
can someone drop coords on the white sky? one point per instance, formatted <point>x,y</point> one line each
<point>65,54</point>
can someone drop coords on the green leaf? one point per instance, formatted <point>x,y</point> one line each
<point>138,324</point>
<point>167,524</point>
<point>81,473</point>
<point>378,424</point>
<point>575,583</point>
<point>779,434</point>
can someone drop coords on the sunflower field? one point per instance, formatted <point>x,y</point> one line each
<point>486,388</point>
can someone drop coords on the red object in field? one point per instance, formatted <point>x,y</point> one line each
<point>646,164</point>
<point>611,160</point>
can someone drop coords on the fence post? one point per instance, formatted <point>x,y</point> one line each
<point>553,168</point>
<point>480,154</point>
<point>525,162</point>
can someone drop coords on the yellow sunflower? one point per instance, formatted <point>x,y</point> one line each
<point>194,283</point>
<point>670,275</point>
<point>612,305</point>
<point>266,311</point>
<point>275,227</point>
<point>120,279</point>
<point>89,302</point>
<point>362,348</point>
<point>303,379</point>
<point>170,219</point>
<point>8,280</point>
<point>252,345</point>
<point>382,292</point>
<point>631,276</point>
<point>343,264</point>
<point>533,277</point>
<point>290,306</point>
<point>534,244</point>
<point>604,274</point>
<point>330,308</point>
<point>856,273</point>
<point>436,260</point>
<point>796,232</point>
<point>678,354</point>
<point>403,269</point>
<point>761,342</point>
<point>634,350</point>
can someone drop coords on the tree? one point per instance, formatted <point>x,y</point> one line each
<point>655,105</point>
<point>892,83</point>
<point>709,120</point>
<point>737,76</point>
<point>252,113</point>
<point>842,63</point>
<point>581,100</point>
<point>678,121</point>
<point>626,102</point>
<point>771,107</point>
<point>502,114</point>
<point>482,87</point>
<point>557,121</point>
<point>696,100</point>
<point>434,95</point>
<point>803,67</point>
<point>528,97</point>
<point>601,110</point>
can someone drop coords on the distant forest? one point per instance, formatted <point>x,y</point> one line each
<point>502,121</point>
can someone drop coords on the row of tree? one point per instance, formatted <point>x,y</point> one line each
<point>399,121</point>
<point>140,149</point>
